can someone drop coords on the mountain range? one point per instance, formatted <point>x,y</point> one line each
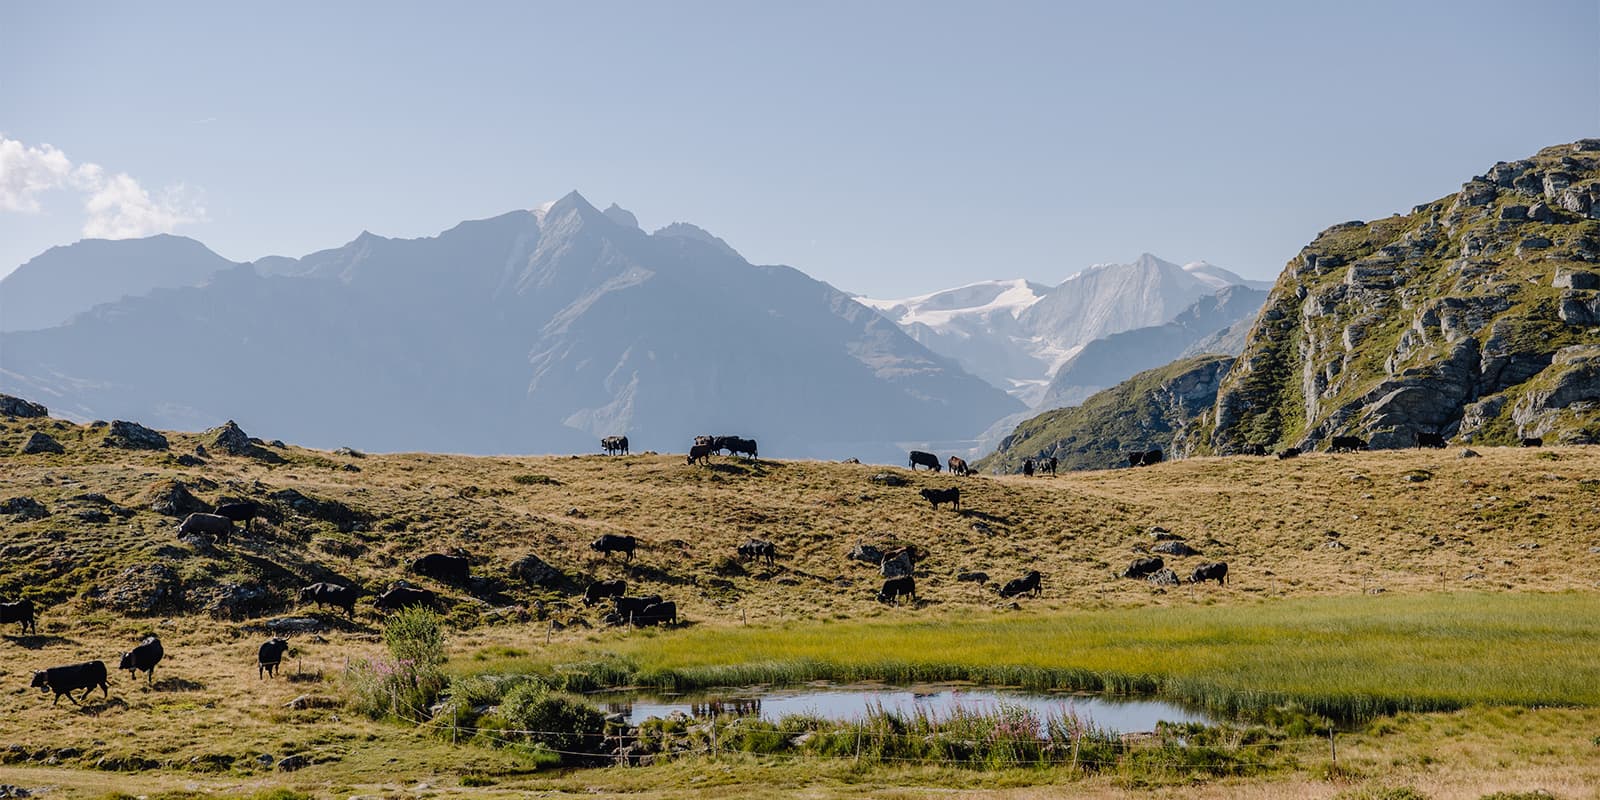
<point>531,332</point>
<point>1017,334</point>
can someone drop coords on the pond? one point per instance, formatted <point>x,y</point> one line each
<point>850,702</point>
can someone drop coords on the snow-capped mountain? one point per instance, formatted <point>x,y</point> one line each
<point>1016,333</point>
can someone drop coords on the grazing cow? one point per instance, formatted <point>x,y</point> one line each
<point>69,679</point>
<point>405,596</point>
<point>1289,452</point>
<point>614,445</point>
<point>143,658</point>
<point>1347,444</point>
<point>270,656</point>
<point>958,466</point>
<point>1533,441</point>
<point>20,612</point>
<point>951,495</point>
<point>1027,584</point>
<point>737,446</point>
<point>630,607</point>
<point>1433,440</point>
<point>900,562</point>
<point>600,589</point>
<point>893,588</point>
<point>1136,459</point>
<point>218,527</point>
<point>243,511</point>
<point>662,613</point>
<point>701,453</point>
<point>450,569</point>
<point>1217,571</point>
<point>758,549</point>
<point>1050,465</point>
<point>1027,467</point>
<point>331,594</point>
<point>1142,567</point>
<point>1151,458</point>
<point>1256,450</point>
<point>921,459</point>
<point>609,543</point>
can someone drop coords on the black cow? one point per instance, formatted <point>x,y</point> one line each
<point>450,569</point>
<point>1347,444</point>
<point>1027,584</point>
<point>1255,450</point>
<point>1135,459</point>
<point>1050,465</point>
<point>1027,467</point>
<point>1533,441</point>
<point>20,612</point>
<point>614,445</point>
<point>701,453</point>
<point>1151,458</point>
<point>69,679</point>
<point>143,658</point>
<point>405,596</point>
<point>893,588</point>
<point>609,543</point>
<point>597,590</point>
<point>1289,452</point>
<point>331,594</point>
<point>1217,571</point>
<point>1433,440</point>
<point>630,607</point>
<point>758,549</point>
<point>921,459</point>
<point>218,527</point>
<point>270,656</point>
<point>958,466</point>
<point>662,613</point>
<point>1143,567</point>
<point>951,495</point>
<point>737,446</point>
<point>243,511</point>
<point>707,440</point>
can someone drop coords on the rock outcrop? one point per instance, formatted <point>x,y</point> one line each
<point>41,442</point>
<point>1472,316</point>
<point>18,407</point>
<point>133,436</point>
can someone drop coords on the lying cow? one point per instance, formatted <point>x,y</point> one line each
<point>614,543</point>
<point>921,459</point>
<point>700,453</point>
<point>1434,440</point>
<point>270,655</point>
<point>1533,441</point>
<point>958,466</point>
<point>143,658</point>
<point>759,550</point>
<point>331,594</point>
<point>450,569</point>
<point>1217,571</point>
<point>218,527</point>
<point>1143,567</point>
<point>951,495</point>
<point>20,612</point>
<point>1152,458</point>
<point>1347,444</point>
<point>1027,584</point>
<point>615,445</point>
<point>69,679</point>
<point>893,588</point>
<point>596,590</point>
<point>1288,452</point>
<point>405,597</point>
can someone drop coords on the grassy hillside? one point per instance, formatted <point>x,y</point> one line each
<point>1153,409</point>
<point>1316,530</point>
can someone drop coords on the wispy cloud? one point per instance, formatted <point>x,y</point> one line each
<point>115,205</point>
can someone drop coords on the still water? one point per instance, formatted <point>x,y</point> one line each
<point>1118,715</point>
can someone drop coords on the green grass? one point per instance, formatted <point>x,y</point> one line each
<point>1348,657</point>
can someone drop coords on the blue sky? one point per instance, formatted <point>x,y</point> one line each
<point>887,147</point>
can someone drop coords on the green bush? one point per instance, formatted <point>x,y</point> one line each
<point>561,722</point>
<point>404,684</point>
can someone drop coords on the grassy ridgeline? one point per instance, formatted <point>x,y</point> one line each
<point>1347,657</point>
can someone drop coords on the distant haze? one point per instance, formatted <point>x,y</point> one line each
<point>890,148</point>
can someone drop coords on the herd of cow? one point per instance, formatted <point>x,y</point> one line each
<point>90,675</point>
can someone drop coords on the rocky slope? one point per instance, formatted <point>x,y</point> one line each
<point>1158,408</point>
<point>529,332</point>
<point>1108,361</point>
<point>1475,316</point>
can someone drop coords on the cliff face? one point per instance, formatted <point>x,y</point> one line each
<point>1475,316</point>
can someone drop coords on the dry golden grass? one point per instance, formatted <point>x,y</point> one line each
<point>1471,525</point>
